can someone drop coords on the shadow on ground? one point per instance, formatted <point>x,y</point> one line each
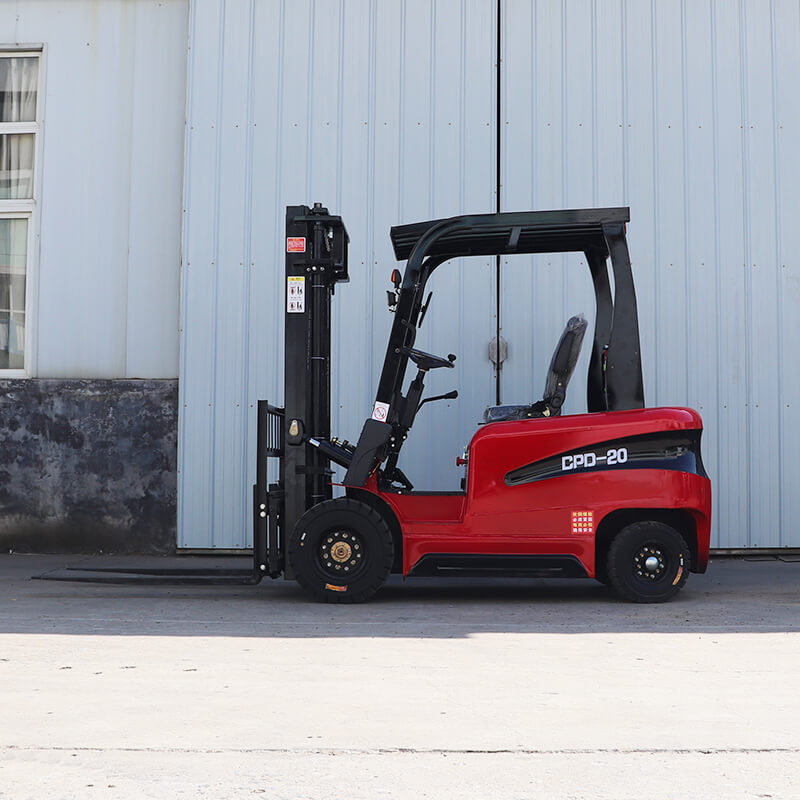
<point>736,595</point>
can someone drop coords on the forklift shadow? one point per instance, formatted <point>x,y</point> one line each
<point>735,596</point>
<point>491,590</point>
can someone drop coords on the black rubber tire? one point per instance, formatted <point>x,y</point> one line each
<point>349,518</point>
<point>635,541</point>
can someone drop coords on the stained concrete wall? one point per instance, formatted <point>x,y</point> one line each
<point>88,465</point>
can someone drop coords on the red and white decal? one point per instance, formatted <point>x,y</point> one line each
<point>295,244</point>
<point>583,522</point>
<point>380,412</point>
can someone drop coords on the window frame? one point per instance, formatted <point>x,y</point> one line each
<point>29,208</point>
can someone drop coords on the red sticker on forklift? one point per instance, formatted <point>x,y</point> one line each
<point>295,294</point>
<point>380,412</point>
<point>334,588</point>
<point>295,244</point>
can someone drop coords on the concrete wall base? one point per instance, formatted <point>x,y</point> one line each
<point>88,465</point>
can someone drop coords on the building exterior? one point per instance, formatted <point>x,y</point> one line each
<point>147,153</point>
<point>91,176</point>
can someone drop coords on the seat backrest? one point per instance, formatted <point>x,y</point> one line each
<point>565,357</point>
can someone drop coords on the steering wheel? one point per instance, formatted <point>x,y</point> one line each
<point>426,361</point>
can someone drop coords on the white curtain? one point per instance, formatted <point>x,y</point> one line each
<point>18,84</point>
<point>13,257</point>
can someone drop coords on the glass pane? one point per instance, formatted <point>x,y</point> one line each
<point>16,166</point>
<point>13,256</point>
<point>18,81</point>
<point>17,294</point>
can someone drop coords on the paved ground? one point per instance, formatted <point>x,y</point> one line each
<point>436,689</point>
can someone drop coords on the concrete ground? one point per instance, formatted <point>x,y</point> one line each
<point>436,689</point>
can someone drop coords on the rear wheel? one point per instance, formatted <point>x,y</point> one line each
<point>341,551</point>
<point>648,562</point>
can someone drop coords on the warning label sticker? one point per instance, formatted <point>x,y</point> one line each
<point>582,522</point>
<point>295,294</point>
<point>380,412</point>
<point>295,244</point>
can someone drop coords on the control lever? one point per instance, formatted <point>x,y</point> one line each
<point>449,396</point>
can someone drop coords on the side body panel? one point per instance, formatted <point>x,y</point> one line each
<point>558,514</point>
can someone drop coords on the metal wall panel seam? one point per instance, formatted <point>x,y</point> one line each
<point>717,252</point>
<point>462,181</point>
<point>748,252</point>
<point>656,203</point>
<point>402,108</point>
<point>429,212</point>
<point>779,261</point>
<point>370,215</point>
<point>336,207</point>
<point>625,104</point>
<point>564,142</point>
<point>312,53</point>
<point>595,136</point>
<point>215,253</point>
<point>535,121</point>
<point>432,110</point>
<point>340,109</point>
<point>187,186</point>
<point>246,416</point>
<point>278,211</point>
<point>686,203</point>
<point>765,409</point>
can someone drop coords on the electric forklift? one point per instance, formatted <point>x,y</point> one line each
<point>618,493</point>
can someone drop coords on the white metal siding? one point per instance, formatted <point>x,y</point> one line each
<point>687,111</point>
<point>385,112</point>
<point>111,168</point>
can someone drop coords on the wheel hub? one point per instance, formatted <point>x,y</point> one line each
<point>649,562</point>
<point>340,551</point>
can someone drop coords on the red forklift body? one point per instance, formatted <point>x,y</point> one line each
<point>543,487</point>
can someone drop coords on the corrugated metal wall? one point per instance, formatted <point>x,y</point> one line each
<point>683,109</point>
<point>106,286</point>
<point>385,111</point>
<point>687,111</point>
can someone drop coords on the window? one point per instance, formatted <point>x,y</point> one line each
<point>19,128</point>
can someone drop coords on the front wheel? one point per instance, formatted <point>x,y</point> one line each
<point>341,551</point>
<point>648,562</point>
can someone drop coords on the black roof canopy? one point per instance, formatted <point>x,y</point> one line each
<point>614,380</point>
<point>567,230</point>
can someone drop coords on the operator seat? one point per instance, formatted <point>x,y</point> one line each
<point>562,365</point>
